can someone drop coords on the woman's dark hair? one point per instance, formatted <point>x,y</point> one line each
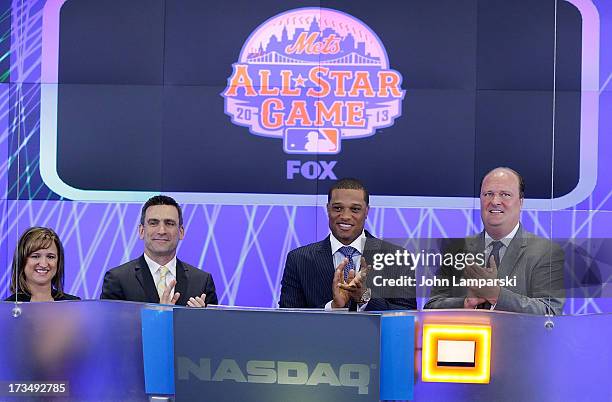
<point>32,240</point>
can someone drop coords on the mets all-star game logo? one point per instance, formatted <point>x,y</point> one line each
<point>314,77</point>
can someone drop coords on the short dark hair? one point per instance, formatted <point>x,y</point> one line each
<point>32,240</point>
<point>161,200</point>
<point>520,179</point>
<point>349,183</point>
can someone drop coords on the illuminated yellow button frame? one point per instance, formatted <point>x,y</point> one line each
<point>480,373</point>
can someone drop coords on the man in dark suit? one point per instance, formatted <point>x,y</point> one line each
<point>158,276</point>
<point>533,265</point>
<point>327,274</point>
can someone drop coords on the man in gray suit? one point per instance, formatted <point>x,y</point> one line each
<point>530,267</point>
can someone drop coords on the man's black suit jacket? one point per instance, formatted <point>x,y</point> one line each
<point>309,275</point>
<point>133,281</point>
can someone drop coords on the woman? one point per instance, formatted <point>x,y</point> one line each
<point>38,267</point>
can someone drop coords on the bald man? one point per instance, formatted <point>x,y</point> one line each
<point>530,267</point>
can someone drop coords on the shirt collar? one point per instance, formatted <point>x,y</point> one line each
<point>154,267</point>
<point>505,240</point>
<point>358,243</point>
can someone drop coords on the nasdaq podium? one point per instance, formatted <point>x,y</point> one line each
<point>124,351</point>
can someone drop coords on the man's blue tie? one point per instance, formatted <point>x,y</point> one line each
<point>348,252</point>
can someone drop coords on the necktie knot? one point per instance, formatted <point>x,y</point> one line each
<point>348,251</point>
<point>497,245</point>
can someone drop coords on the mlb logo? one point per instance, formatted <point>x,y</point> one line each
<point>312,141</point>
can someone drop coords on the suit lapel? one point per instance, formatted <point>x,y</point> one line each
<point>325,259</point>
<point>475,244</point>
<point>513,254</point>
<point>371,247</point>
<point>181,282</point>
<point>144,277</point>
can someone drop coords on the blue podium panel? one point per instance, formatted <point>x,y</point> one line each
<point>242,355</point>
<point>94,347</point>
<point>158,350</point>
<point>397,356</point>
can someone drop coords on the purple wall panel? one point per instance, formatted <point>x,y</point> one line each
<point>244,247</point>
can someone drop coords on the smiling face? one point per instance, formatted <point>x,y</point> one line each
<point>161,232</point>
<point>41,267</point>
<point>347,211</point>
<point>500,202</point>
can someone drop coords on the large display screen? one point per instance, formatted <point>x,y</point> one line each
<point>418,99</point>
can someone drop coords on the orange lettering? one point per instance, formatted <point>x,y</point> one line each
<point>307,43</point>
<point>302,43</point>
<point>324,114</point>
<point>389,82</point>
<point>313,75</point>
<point>286,85</point>
<point>362,83</point>
<point>331,45</point>
<point>240,79</point>
<point>354,114</point>
<point>270,119</point>
<point>264,77</point>
<point>298,112</point>
<point>340,77</point>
